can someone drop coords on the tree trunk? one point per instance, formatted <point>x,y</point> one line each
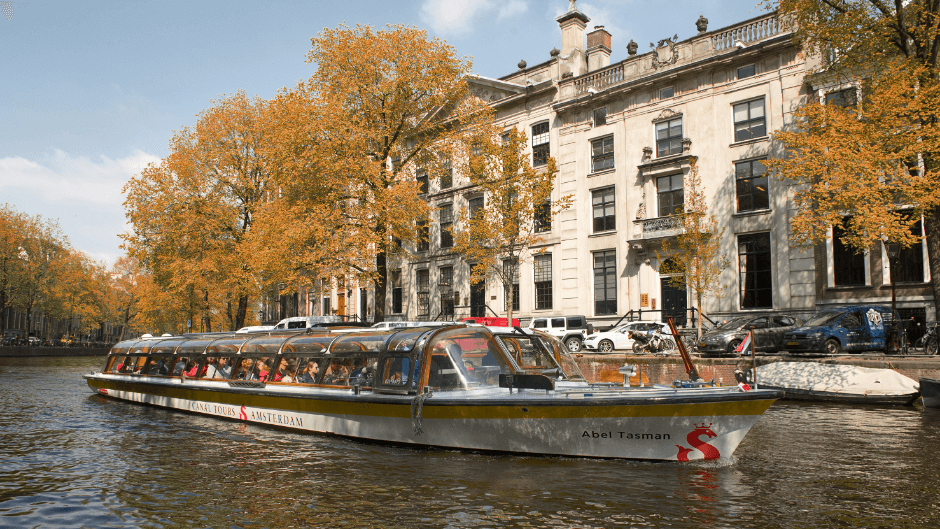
<point>381,284</point>
<point>206,317</point>
<point>509,290</point>
<point>932,234</point>
<point>241,312</point>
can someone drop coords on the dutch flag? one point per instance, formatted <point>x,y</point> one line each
<point>746,347</point>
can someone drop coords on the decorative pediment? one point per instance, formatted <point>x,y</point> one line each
<point>665,53</point>
<point>666,115</point>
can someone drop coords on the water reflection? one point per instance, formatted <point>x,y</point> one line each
<point>74,459</point>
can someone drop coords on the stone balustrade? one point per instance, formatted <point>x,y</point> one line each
<point>721,41</point>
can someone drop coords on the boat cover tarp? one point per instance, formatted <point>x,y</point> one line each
<point>836,378</point>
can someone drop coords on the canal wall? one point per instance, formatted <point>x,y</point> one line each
<point>17,351</point>
<point>666,370</point>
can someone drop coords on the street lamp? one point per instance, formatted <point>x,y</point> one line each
<point>893,249</point>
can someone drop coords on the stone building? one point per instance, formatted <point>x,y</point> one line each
<point>624,137</point>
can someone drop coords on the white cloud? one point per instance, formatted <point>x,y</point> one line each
<point>83,194</point>
<point>60,178</point>
<point>457,17</point>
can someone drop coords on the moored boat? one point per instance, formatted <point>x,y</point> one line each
<point>837,383</point>
<point>930,392</point>
<point>461,387</point>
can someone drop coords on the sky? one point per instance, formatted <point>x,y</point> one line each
<point>92,91</point>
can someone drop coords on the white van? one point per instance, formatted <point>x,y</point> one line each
<point>304,322</point>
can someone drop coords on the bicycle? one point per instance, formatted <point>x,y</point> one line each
<point>929,343</point>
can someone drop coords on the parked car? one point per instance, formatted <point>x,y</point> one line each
<point>620,337</point>
<point>396,324</point>
<point>769,334</point>
<point>490,321</point>
<point>851,329</point>
<point>572,330</point>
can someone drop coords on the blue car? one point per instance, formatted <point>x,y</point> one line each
<point>850,329</point>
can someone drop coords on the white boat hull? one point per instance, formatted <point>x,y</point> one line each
<point>561,423</point>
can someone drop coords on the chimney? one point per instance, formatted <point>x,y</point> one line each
<point>598,48</point>
<point>572,24</point>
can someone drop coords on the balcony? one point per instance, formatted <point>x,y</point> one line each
<point>658,228</point>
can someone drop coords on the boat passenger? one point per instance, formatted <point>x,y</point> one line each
<point>309,376</point>
<point>178,368</point>
<point>211,368</point>
<point>223,370</point>
<point>158,367</point>
<point>244,370</point>
<point>289,376</point>
<point>190,369</point>
<point>264,368</point>
<point>336,373</point>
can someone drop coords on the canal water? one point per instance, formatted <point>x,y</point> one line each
<point>73,459</point>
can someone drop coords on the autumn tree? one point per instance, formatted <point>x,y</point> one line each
<point>12,224</point>
<point>869,160</point>
<point>388,102</point>
<point>497,238</point>
<point>693,257</point>
<point>42,249</point>
<point>192,213</point>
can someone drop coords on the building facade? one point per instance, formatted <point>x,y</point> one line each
<point>625,136</point>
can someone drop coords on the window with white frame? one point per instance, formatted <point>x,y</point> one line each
<point>602,204</point>
<point>447,224</point>
<point>423,287</point>
<point>543,282</point>
<point>751,185</point>
<point>667,92</point>
<point>605,282</point>
<point>848,264</point>
<point>670,194</point>
<point>749,120</point>
<point>540,144</point>
<point>755,271</point>
<point>602,154</point>
<point>600,116</point>
<point>669,137</point>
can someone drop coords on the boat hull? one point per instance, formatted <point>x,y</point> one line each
<point>930,391</point>
<point>844,398</point>
<point>703,427</point>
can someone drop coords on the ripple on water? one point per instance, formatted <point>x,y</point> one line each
<point>73,459</point>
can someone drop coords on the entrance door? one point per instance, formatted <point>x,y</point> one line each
<point>674,301</point>
<point>478,300</point>
<point>341,304</point>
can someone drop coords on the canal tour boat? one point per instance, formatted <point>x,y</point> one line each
<point>455,387</point>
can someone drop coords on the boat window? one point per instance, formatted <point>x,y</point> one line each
<point>475,353</point>
<point>360,343</point>
<point>395,372</point>
<point>194,347</point>
<point>244,368</point>
<point>123,347</point>
<point>309,344</point>
<point>135,364</point>
<point>528,354</point>
<point>265,345</point>
<point>181,365</point>
<point>406,338</point>
<point>112,364</point>
<point>222,369</point>
<point>159,364</point>
<point>561,355</point>
<point>308,370</point>
<point>443,374</point>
